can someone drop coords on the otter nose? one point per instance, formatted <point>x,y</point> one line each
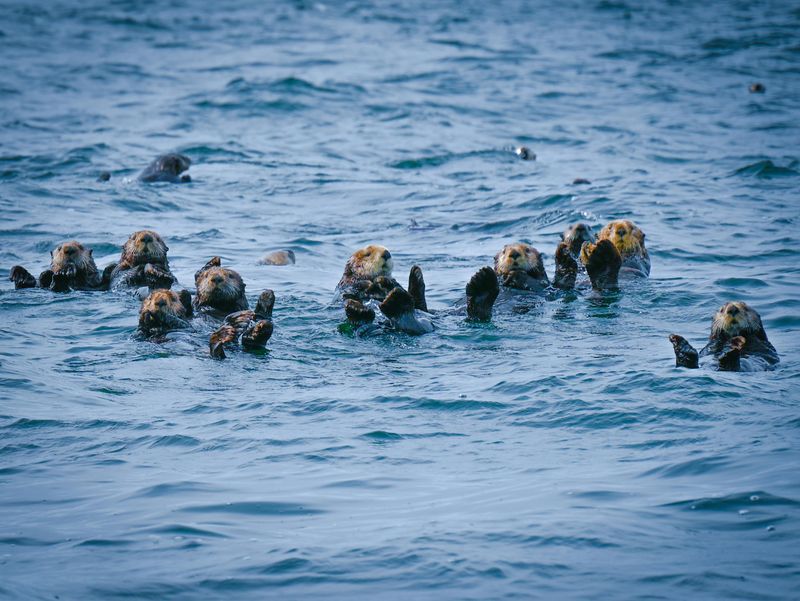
<point>161,304</point>
<point>217,279</point>
<point>620,233</point>
<point>514,254</point>
<point>149,318</point>
<point>733,310</point>
<point>386,255</point>
<point>70,250</point>
<point>147,238</point>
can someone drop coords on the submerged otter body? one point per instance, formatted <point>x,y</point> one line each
<point>164,311</point>
<point>220,290</point>
<point>71,268</point>
<point>143,263</point>
<point>167,168</point>
<point>738,342</point>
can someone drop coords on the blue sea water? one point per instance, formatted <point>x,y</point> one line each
<point>555,454</point>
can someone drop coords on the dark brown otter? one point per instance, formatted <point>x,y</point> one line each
<point>143,263</point>
<point>738,342</point>
<point>219,289</point>
<point>575,235</point>
<point>71,268</point>
<point>252,328</point>
<point>165,310</point>
<point>167,168</point>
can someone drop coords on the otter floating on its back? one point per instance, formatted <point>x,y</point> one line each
<point>738,342</point>
<point>143,263</point>
<point>71,268</point>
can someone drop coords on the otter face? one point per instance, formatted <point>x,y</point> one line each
<point>144,246</point>
<point>219,287</point>
<point>72,256</point>
<point>175,163</point>
<point>576,234</point>
<point>164,310</point>
<point>370,262</point>
<point>624,234</point>
<point>519,256</point>
<point>737,319</point>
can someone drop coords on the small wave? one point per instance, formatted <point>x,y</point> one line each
<point>266,508</point>
<point>766,170</point>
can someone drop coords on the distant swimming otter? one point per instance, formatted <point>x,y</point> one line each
<point>71,267</point>
<point>163,311</point>
<point>252,328</point>
<point>219,289</point>
<point>757,88</point>
<point>167,168</point>
<point>278,257</point>
<point>525,153</point>
<point>738,342</point>
<point>143,263</point>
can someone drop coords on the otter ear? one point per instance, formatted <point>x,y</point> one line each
<point>186,300</point>
<point>214,262</point>
<point>90,252</point>
<point>166,248</point>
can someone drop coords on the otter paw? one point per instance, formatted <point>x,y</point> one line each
<point>685,354</point>
<point>357,313</point>
<point>482,291</point>
<point>397,303</point>
<point>566,268</point>
<point>224,335</point>
<point>59,282</point>
<point>416,288</point>
<point>602,262</point>
<point>256,336</point>
<point>45,279</point>
<point>21,278</point>
<point>729,358</point>
<point>265,304</point>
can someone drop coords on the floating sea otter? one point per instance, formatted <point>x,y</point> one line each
<point>220,290</point>
<point>71,268</point>
<point>367,279</point>
<point>143,263</point>
<point>167,168</point>
<point>619,250</point>
<point>737,342</point>
<point>165,310</point>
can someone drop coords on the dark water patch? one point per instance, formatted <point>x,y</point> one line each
<point>382,436</point>
<point>182,530</point>
<point>693,467</point>
<point>105,543</point>
<point>766,169</point>
<point>255,508</point>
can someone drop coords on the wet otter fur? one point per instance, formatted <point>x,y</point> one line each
<point>738,342</point>
<point>279,258</point>
<point>167,168</point>
<point>219,290</point>
<point>143,263</point>
<point>71,268</point>
<point>520,266</point>
<point>628,239</point>
<point>575,235</point>
<point>251,328</point>
<point>368,274</point>
<point>163,311</point>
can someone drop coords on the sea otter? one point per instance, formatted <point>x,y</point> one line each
<point>220,290</point>
<point>575,235</point>
<point>143,263</point>
<point>71,268</point>
<point>368,280</point>
<point>738,342</point>
<point>167,168</point>
<point>278,257</point>
<point>252,328</point>
<point>619,250</point>
<point>165,310</point>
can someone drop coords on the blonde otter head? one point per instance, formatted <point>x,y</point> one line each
<point>624,234</point>
<point>737,319</point>
<point>521,257</point>
<point>220,288</point>
<point>144,246</point>
<point>165,310</point>
<point>72,257</point>
<point>369,262</point>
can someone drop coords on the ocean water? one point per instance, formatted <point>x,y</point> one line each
<point>553,454</point>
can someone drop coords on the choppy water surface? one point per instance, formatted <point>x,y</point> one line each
<point>552,454</point>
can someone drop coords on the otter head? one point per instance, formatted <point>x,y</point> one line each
<point>165,310</point>
<point>737,319</point>
<point>144,246</point>
<point>369,263</point>
<point>624,234</point>
<point>576,234</point>
<point>72,257</point>
<point>174,163</point>
<point>219,288</point>
<point>520,257</point>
